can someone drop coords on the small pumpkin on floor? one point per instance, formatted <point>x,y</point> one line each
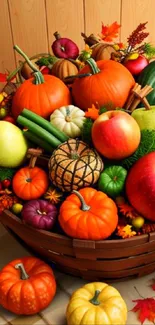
<point>96,303</point>
<point>27,286</point>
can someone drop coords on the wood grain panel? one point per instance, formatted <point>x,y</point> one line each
<point>98,11</point>
<point>7,60</point>
<point>135,12</point>
<point>66,17</point>
<point>28,19</point>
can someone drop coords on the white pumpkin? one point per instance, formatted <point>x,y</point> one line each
<point>68,119</point>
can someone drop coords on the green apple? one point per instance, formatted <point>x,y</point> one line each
<point>145,118</point>
<point>13,145</point>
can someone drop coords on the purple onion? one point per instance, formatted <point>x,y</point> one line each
<point>39,214</point>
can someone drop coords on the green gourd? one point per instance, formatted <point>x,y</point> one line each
<point>147,77</point>
<point>112,180</point>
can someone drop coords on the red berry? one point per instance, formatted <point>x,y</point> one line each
<point>9,119</point>
<point>1,187</point>
<point>6,183</point>
<point>45,70</point>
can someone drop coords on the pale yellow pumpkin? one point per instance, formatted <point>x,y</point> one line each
<point>96,303</point>
<point>68,119</point>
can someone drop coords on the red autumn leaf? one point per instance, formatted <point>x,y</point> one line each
<point>153,285</point>
<point>146,308</point>
<point>108,33</point>
<point>3,77</point>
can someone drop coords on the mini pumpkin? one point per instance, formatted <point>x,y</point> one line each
<point>102,51</point>
<point>68,119</point>
<point>88,214</point>
<point>30,183</point>
<point>27,286</point>
<point>96,303</point>
<point>64,68</point>
<point>74,165</point>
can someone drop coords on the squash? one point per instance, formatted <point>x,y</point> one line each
<point>88,214</point>
<point>96,303</point>
<point>112,180</point>
<point>68,119</point>
<point>40,94</point>
<point>147,77</point>
<point>102,51</point>
<point>27,286</point>
<point>109,83</point>
<point>30,182</point>
<point>74,165</point>
<point>64,68</point>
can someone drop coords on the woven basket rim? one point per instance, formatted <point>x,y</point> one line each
<point>72,240</point>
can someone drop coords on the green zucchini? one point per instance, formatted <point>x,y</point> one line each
<point>147,77</point>
<point>40,142</point>
<point>45,124</point>
<point>39,131</point>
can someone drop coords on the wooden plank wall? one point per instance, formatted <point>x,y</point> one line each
<point>31,23</point>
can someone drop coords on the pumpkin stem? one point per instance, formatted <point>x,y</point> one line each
<point>23,274</point>
<point>84,206</point>
<point>93,66</point>
<point>94,300</point>
<point>39,79</point>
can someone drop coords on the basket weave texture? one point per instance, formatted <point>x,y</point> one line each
<point>107,260</point>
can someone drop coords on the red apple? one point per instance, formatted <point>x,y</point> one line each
<point>137,65</point>
<point>140,186</point>
<point>115,134</point>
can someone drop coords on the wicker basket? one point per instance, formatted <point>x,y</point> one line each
<point>108,260</point>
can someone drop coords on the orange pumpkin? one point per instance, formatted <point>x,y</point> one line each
<point>109,83</point>
<point>27,286</point>
<point>30,183</point>
<point>88,214</point>
<point>40,94</point>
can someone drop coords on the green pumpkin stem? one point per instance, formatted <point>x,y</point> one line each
<point>39,79</point>
<point>94,300</point>
<point>93,66</point>
<point>24,275</point>
<point>84,206</point>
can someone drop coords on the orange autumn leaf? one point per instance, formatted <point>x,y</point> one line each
<point>125,209</point>
<point>92,112</point>
<point>125,232</point>
<point>109,33</point>
<point>146,309</point>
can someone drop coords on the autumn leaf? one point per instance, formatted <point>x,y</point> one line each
<point>92,112</point>
<point>3,77</point>
<point>109,33</point>
<point>146,309</point>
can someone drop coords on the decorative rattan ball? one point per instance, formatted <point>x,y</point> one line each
<point>74,165</point>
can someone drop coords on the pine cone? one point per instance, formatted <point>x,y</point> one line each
<point>148,227</point>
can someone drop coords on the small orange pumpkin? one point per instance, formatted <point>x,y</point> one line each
<point>30,183</point>
<point>27,286</point>
<point>64,68</point>
<point>88,214</point>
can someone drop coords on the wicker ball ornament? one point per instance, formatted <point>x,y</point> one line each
<point>73,165</point>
